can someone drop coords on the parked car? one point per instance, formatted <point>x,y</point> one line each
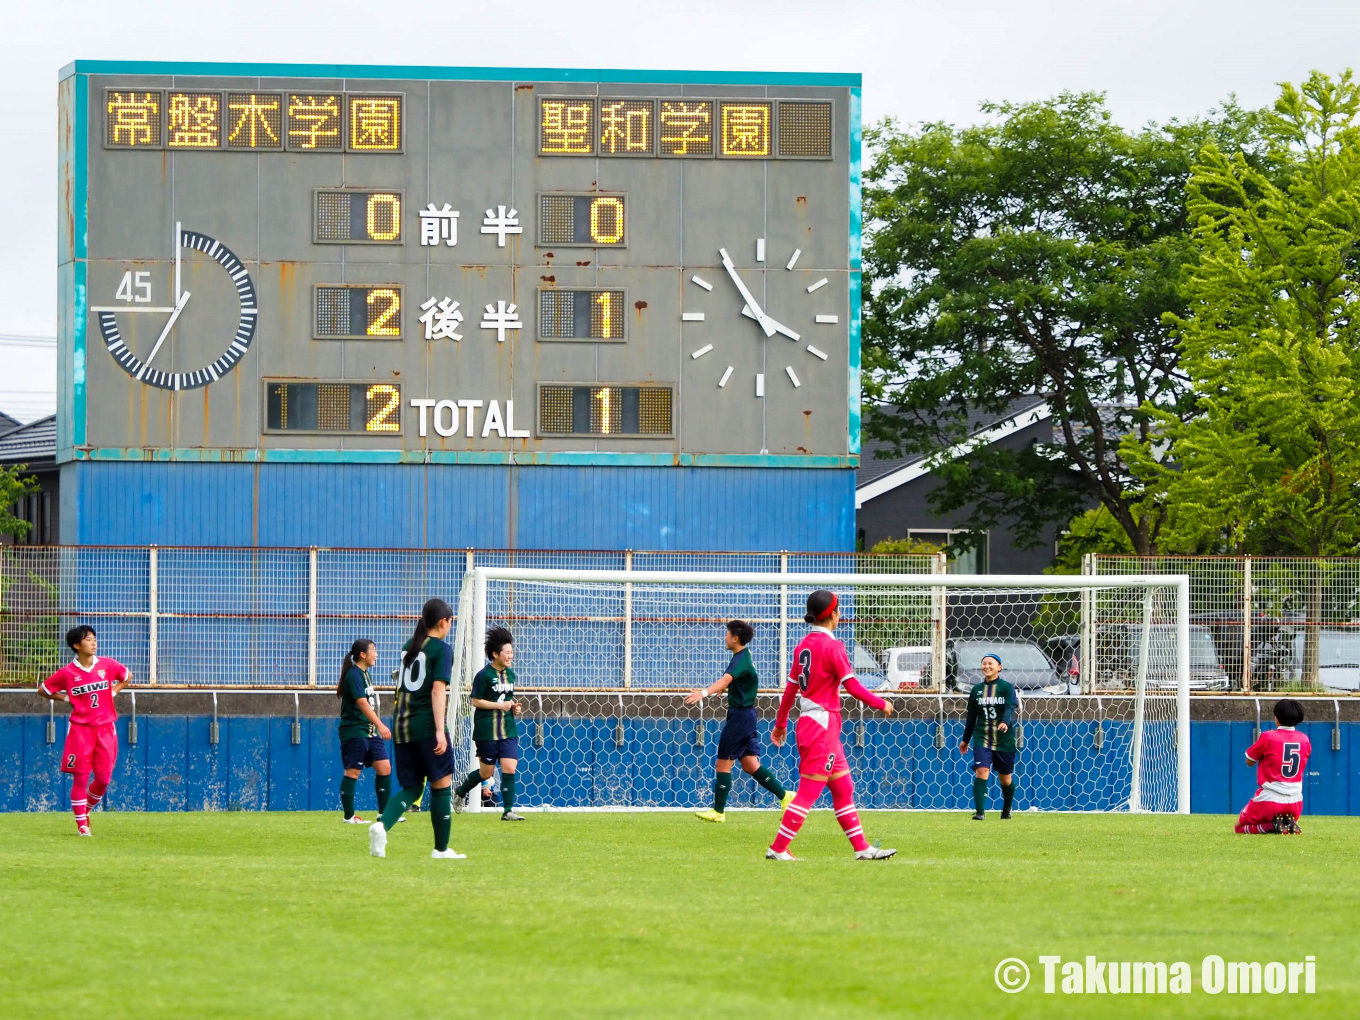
<point>1023,663</point>
<point>866,667</point>
<point>907,668</point>
<point>1118,647</point>
<point>1338,658</point>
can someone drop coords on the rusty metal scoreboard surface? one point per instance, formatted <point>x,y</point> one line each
<point>452,265</point>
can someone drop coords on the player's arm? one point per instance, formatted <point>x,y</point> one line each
<point>968,724</point>
<point>439,701</point>
<point>122,682</point>
<point>703,692</point>
<point>781,719</point>
<point>1256,751</point>
<point>492,706</point>
<point>52,689</point>
<point>1011,712</point>
<point>858,691</point>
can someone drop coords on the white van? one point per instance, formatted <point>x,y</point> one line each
<point>907,668</point>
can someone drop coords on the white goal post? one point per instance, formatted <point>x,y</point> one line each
<point>604,657</point>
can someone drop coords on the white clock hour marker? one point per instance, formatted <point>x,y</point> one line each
<point>760,384</point>
<point>793,259</point>
<point>726,375</point>
<point>816,353</point>
<point>691,316</point>
<point>701,352</point>
<point>792,377</point>
<point>696,278</point>
<point>760,249</point>
<point>818,285</point>
<point>828,318</point>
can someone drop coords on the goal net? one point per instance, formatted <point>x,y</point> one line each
<point>604,658</point>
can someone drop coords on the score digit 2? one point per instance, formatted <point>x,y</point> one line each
<point>346,311</point>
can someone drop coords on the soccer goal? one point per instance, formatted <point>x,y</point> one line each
<point>604,659</point>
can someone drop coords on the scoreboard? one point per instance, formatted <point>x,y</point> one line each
<point>458,265</point>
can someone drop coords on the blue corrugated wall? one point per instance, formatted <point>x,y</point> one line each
<point>649,762</point>
<point>456,506</point>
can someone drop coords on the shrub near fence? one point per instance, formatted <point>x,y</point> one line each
<point>279,617</point>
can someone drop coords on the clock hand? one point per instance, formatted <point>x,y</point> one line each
<point>760,316</point>
<point>779,327</point>
<point>179,307</point>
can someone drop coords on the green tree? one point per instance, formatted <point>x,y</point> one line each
<point>1033,255</point>
<point>14,484</point>
<point>1270,454</point>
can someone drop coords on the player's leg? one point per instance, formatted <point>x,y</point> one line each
<point>410,777</point>
<point>1258,818</point>
<point>842,789</point>
<point>77,759</point>
<point>348,780</point>
<point>80,788</point>
<point>982,769</point>
<point>382,771</point>
<point>722,786</point>
<point>486,768</point>
<point>104,756</point>
<point>816,755</point>
<point>509,752</point>
<point>1005,771</point>
<point>439,771</point>
<point>750,764</point>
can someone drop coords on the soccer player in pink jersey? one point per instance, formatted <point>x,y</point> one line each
<point>88,685</point>
<point>1281,757</point>
<point>820,668</point>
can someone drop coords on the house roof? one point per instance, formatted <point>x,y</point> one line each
<point>34,444</point>
<point>8,423</point>
<point>880,474</point>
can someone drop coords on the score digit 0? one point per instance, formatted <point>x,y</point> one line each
<point>586,221</point>
<point>345,216</point>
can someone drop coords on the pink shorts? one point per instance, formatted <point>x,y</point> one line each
<point>90,748</point>
<point>1262,812</point>
<point>819,748</point>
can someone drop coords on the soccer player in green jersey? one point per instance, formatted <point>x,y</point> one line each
<point>738,740</point>
<point>419,731</point>
<point>494,727</point>
<point>363,737</point>
<point>992,708</point>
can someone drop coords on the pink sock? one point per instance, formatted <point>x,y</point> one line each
<point>843,800</point>
<point>796,813</point>
<point>79,801</point>
<point>98,786</point>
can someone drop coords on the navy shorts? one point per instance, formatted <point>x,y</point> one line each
<point>739,735</point>
<point>417,761</point>
<point>1002,762</point>
<point>359,752</point>
<point>491,751</point>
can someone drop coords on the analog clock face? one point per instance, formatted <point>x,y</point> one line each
<point>156,364</point>
<point>791,334</point>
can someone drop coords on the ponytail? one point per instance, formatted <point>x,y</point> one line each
<point>360,647</point>
<point>431,613</point>
<point>820,605</point>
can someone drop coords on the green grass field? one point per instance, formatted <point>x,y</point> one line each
<point>245,915</point>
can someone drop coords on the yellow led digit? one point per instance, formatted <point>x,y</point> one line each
<point>606,220</point>
<point>384,217</point>
<point>384,404</point>
<point>193,120</point>
<point>746,129</point>
<point>566,127</point>
<point>375,123</point>
<point>606,302</point>
<point>384,321</point>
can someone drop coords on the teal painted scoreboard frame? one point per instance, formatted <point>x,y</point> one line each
<point>75,317</point>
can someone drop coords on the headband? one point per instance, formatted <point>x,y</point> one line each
<point>825,614</point>
<point>992,655</point>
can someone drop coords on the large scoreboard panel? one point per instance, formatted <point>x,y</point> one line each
<point>452,265</point>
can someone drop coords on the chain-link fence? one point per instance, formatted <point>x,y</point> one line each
<point>1265,623</point>
<point>280,617</point>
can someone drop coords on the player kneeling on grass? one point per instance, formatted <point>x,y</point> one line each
<point>820,667</point>
<point>88,685</point>
<point>1280,756</point>
<point>363,737</point>
<point>992,703</point>
<point>420,738</point>
<point>493,724</point>
<point>739,741</point>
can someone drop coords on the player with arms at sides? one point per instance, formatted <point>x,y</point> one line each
<point>493,724</point>
<point>739,741</point>
<point>88,684</point>
<point>993,704</point>
<point>820,667</point>
<point>363,737</point>
<point>419,731</point>
<point>1281,759</point>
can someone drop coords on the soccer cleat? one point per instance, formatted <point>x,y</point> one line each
<point>874,853</point>
<point>711,816</point>
<point>1005,813</point>
<point>510,816</point>
<point>1294,829</point>
<point>978,816</point>
<point>353,820</point>
<point>377,840</point>
<point>83,830</point>
<point>779,855</point>
<point>448,855</point>
<point>1285,825</point>
<point>459,802</point>
<point>786,800</point>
